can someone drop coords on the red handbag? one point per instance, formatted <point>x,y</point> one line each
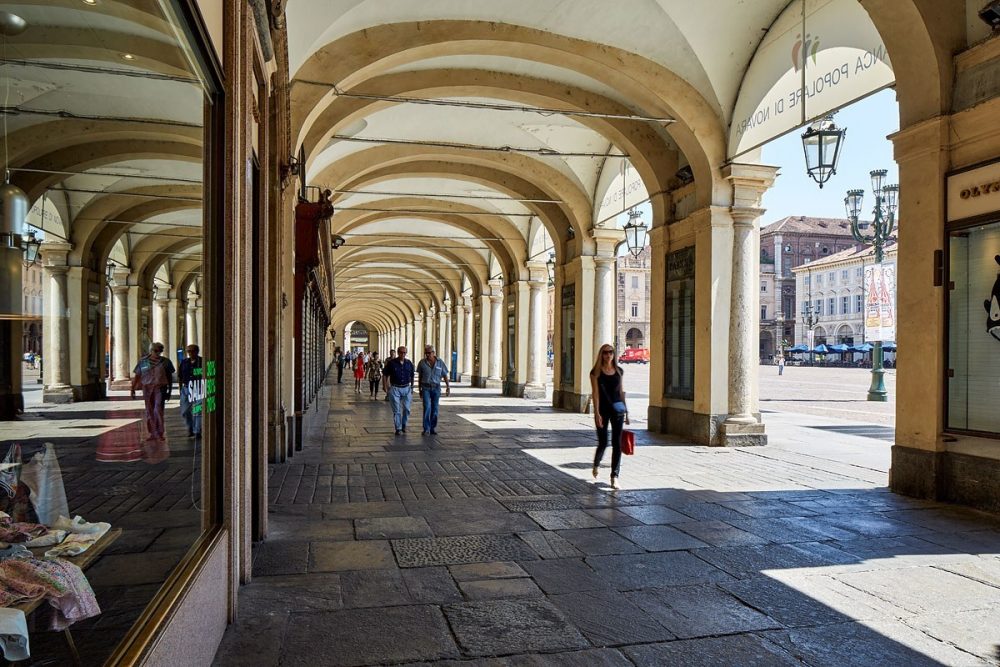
<point>628,442</point>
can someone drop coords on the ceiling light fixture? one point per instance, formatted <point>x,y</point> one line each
<point>128,56</point>
<point>90,2</point>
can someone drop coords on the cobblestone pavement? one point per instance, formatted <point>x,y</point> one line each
<point>490,545</point>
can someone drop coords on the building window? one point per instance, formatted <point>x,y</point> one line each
<point>763,288</point>
<point>679,325</point>
<point>819,279</point>
<point>974,346</point>
<point>859,272</point>
<point>635,309</point>
<point>805,307</point>
<point>857,303</point>
<point>635,282</point>
<point>826,251</point>
<point>819,307</point>
<point>845,305</point>
<point>763,312</point>
<point>806,280</point>
<point>843,275</point>
<point>832,305</point>
<point>832,277</point>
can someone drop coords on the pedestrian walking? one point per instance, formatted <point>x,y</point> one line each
<point>154,373</point>
<point>431,371</point>
<point>398,385</point>
<point>190,378</point>
<point>781,365</point>
<point>608,396</point>
<point>338,356</point>
<point>359,372</point>
<point>374,372</point>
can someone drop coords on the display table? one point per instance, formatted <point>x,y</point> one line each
<point>82,561</point>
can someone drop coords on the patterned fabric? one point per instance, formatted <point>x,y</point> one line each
<point>60,582</point>
<point>11,531</point>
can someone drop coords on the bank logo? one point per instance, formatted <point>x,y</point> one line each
<point>802,49</point>
<point>992,306</point>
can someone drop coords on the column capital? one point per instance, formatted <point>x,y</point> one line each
<point>745,215</point>
<point>607,239</point>
<point>55,253</point>
<point>605,260</point>
<point>57,269</point>
<point>537,285</point>
<point>749,181</point>
<point>496,298</point>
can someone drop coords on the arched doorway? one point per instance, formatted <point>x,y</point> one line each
<point>634,338</point>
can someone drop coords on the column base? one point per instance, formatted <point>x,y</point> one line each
<point>740,434</point>
<point>568,400</point>
<point>57,394</point>
<point>700,428</point>
<point>534,391</point>
<point>492,383</point>
<point>513,389</point>
<point>120,385</point>
<point>948,476</point>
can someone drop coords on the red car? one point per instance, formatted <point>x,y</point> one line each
<point>638,355</point>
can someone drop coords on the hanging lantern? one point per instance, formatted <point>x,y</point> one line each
<point>13,211</point>
<point>635,232</point>
<point>30,247</point>
<point>822,143</point>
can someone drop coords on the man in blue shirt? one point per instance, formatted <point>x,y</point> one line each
<point>431,371</point>
<point>398,384</point>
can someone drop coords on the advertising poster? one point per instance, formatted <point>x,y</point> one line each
<point>880,302</point>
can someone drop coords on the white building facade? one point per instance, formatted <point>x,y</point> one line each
<point>831,295</point>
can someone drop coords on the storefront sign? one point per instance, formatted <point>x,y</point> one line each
<point>680,264</point>
<point>974,192</point>
<point>816,57</point>
<point>880,302</point>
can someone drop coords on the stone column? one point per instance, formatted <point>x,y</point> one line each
<point>162,334</point>
<point>444,335</point>
<point>459,318</point>
<point>417,338</point>
<point>193,333</point>
<point>469,354</point>
<point>604,297</point>
<point>120,348</point>
<point>429,332</point>
<point>741,319</point>
<point>57,364</point>
<point>496,334</point>
<point>536,339</point>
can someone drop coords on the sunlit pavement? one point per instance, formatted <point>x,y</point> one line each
<point>491,539</point>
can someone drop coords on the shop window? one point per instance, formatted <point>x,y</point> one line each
<point>679,367</point>
<point>568,343</point>
<point>146,283</point>
<point>974,329</point>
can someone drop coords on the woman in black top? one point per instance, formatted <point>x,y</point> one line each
<point>608,397</point>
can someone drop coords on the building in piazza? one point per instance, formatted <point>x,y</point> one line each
<point>784,245</point>
<point>632,300</point>
<point>205,156</point>
<point>831,296</point>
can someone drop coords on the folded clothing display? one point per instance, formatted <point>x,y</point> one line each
<point>11,550</point>
<point>14,635</point>
<point>12,531</point>
<point>81,536</point>
<point>48,539</point>
<point>60,582</point>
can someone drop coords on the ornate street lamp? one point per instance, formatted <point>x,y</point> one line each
<point>877,235</point>
<point>635,232</point>
<point>29,246</point>
<point>821,144</point>
<point>551,267</point>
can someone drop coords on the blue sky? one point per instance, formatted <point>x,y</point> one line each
<point>868,122</point>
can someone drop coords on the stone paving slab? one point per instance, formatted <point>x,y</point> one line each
<point>512,626</point>
<point>466,549</point>
<point>422,552</point>
<point>355,637</point>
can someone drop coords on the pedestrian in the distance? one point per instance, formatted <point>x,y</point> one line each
<point>781,365</point>
<point>359,372</point>
<point>608,396</point>
<point>374,372</point>
<point>338,356</point>
<point>154,373</point>
<point>431,371</point>
<point>398,384</point>
<point>189,377</point>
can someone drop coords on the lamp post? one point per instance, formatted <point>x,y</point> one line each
<point>810,320</point>
<point>877,235</point>
<point>821,144</point>
<point>779,342</point>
